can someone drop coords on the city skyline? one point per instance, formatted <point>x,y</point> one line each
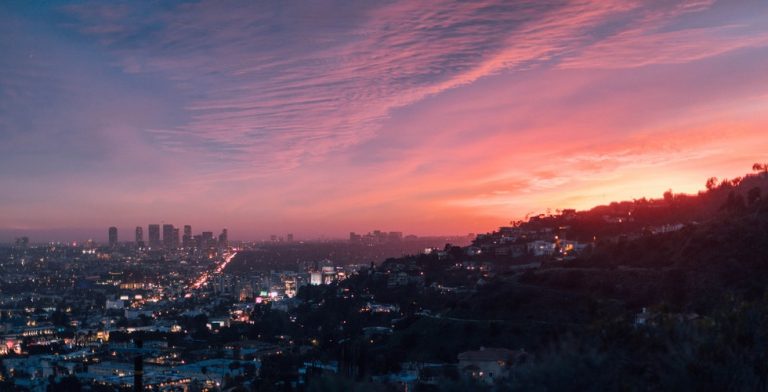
<point>321,119</point>
<point>164,235</point>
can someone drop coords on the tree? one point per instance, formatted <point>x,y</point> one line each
<point>734,203</point>
<point>711,183</point>
<point>763,167</point>
<point>67,384</point>
<point>669,196</point>
<point>249,370</point>
<point>753,195</point>
<point>59,318</point>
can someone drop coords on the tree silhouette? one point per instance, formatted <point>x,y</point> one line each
<point>734,203</point>
<point>669,196</point>
<point>711,183</point>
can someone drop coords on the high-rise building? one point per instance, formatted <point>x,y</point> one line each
<point>113,236</point>
<point>168,233</point>
<point>207,239</point>
<point>154,236</point>
<point>139,236</point>
<point>289,237</point>
<point>186,240</point>
<point>175,237</point>
<point>379,236</point>
<point>223,238</point>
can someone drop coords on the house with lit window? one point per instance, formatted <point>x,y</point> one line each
<point>487,365</point>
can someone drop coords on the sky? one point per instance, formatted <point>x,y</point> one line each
<point>321,118</point>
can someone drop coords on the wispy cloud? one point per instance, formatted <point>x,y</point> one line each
<point>393,111</point>
<point>637,48</point>
<point>277,87</point>
<point>274,87</point>
<point>673,34</point>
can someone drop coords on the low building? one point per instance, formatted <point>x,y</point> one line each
<point>541,248</point>
<point>487,365</point>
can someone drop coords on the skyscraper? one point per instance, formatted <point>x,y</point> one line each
<point>207,239</point>
<point>139,236</point>
<point>168,233</point>
<point>154,236</point>
<point>289,237</point>
<point>113,236</point>
<point>175,237</point>
<point>223,240</point>
<point>186,240</point>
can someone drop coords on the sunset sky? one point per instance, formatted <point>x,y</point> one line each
<point>320,118</point>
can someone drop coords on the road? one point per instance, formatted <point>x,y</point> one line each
<point>205,276</point>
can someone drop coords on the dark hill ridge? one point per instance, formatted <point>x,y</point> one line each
<point>696,310</point>
<point>688,269</point>
<point>684,310</point>
<point>634,216</point>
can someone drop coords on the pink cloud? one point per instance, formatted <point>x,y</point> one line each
<point>637,48</point>
<point>292,103</point>
<point>453,117</point>
<point>275,102</point>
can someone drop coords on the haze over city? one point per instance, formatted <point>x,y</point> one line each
<point>324,118</point>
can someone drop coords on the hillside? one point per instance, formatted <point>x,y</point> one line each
<point>635,216</point>
<point>686,309</point>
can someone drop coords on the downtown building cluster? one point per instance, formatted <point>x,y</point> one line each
<point>172,237</point>
<point>378,237</point>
